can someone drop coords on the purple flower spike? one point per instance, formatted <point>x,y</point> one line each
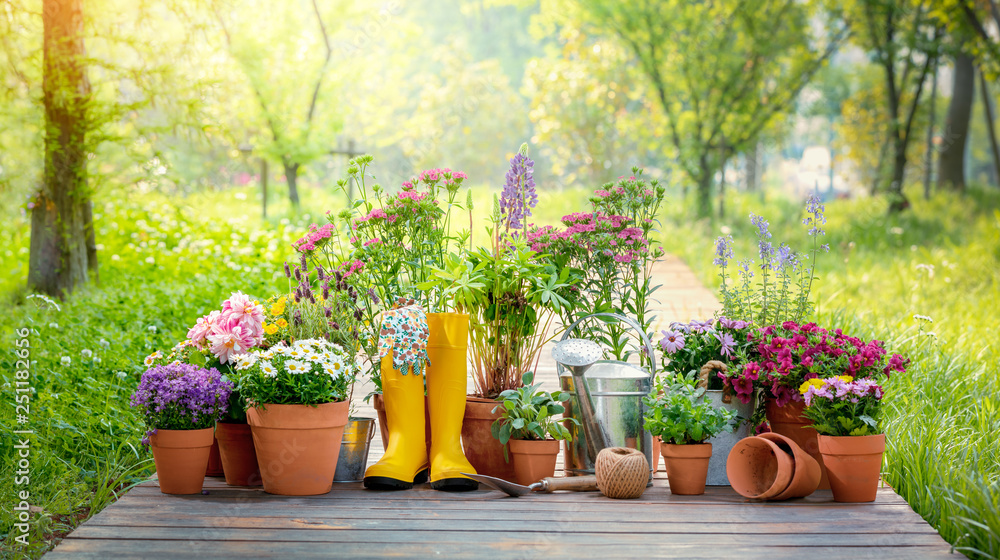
<point>519,196</point>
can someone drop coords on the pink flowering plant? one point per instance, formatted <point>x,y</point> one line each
<point>233,330</point>
<point>612,249</point>
<point>181,396</point>
<point>686,347</point>
<point>843,405</point>
<point>792,354</point>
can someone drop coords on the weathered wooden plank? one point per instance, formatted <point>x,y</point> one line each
<point>879,515</point>
<point>396,534</point>
<point>86,549</point>
<point>487,523</point>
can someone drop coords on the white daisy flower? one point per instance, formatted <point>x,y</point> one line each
<point>296,366</point>
<point>332,370</point>
<point>151,359</point>
<point>268,369</point>
<point>245,361</point>
<point>294,352</point>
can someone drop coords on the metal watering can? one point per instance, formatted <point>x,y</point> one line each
<point>607,397</point>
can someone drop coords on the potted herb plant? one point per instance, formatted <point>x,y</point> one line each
<point>684,420</point>
<point>180,404</point>
<point>845,412</point>
<point>529,426</point>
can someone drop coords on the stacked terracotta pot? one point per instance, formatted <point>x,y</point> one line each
<point>772,467</point>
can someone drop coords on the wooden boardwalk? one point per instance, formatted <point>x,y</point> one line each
<point>351,522</point>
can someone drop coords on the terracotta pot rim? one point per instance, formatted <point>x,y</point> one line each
<point>535,446</point>
<point>182,439</point>
<point>777,486</point>
<point>805,469</point>
<point>686,450</point>
<point>852,445</point>
<point>300,416</point>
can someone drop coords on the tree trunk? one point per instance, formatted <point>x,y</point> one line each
<point>292,176</point>
<point>951,162</point>
<point>897,199</point>
<point>62,247</point>
<point>929,153</point>
<point>704,188</point>
<point>988,109</point>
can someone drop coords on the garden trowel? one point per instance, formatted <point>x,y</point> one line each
<point>544,486</point>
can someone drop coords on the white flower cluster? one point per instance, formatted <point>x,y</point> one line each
<point>300,357</point>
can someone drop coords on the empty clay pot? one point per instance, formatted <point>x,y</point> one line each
<point>853,463</point>
<point>790,422</point>
<point>687,467</point>
<point>298,445</point>
<point>805,477</point>
<point>758,469</point>
<point>181,458</point>
<point>239,458</point>
<point>533,459</point>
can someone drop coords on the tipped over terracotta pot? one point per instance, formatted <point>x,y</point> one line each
<point>758,469</point>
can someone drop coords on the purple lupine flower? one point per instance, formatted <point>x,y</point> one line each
<point>672,341</point>
<point>723,250</point>
<point>815,207</point>
<point>519,196</point>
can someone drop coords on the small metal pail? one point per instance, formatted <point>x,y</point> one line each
<point>354,447</point>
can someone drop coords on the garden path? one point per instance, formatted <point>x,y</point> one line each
<point>350,522</point>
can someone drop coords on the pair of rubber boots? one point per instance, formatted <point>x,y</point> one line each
<point>406,461</point>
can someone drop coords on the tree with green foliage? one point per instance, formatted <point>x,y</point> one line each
<point>903,40</point>
<point>286,53</point>
<point>63,252</point>
<point>722,71</point>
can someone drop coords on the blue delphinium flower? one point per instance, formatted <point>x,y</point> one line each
<point>763,234</point>
<point>519,196</point>
<point>815,207</point>
<point>723,250</point>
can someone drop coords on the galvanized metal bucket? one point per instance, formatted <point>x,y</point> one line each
<point>723,443</point>
<point>616,389</point>
<point>354,447</point>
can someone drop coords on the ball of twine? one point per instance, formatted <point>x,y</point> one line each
<point>622,472</point>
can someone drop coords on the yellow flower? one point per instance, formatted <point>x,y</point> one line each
<point>282,323</point>
<point>845,378</point>
<point>271,329</point>
<point>278,308</point>
<point>817,382</point>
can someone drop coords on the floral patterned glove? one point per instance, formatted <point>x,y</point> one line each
<point>404,333</point>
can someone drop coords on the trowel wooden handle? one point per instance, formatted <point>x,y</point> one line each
<point>573,483</point>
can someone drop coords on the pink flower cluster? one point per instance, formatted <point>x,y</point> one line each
<point>598,233</point>
<point>317,236</point>
<point>231,331</point>
<point>790,354</point>
<point>351,267</point>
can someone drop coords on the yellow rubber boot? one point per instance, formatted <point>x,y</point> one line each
<point>446,389</point>
<point>405,459</point>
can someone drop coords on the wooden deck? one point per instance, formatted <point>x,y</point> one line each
<point>351,522</point>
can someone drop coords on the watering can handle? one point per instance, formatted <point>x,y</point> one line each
<point>371,431</point>
<point>621,319</point>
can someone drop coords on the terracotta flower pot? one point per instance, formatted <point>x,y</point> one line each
<point>854,463</point>
<point>655,465</point>
<point>687,467</point>
<point>378,402</point>
<point>239,458</point>
<point>805,477</point>
<point>789,421</point>
<point>298,446</point>
<point>181,458</point>
<point>533,459</point>
<point>758,469</point>
<point>482,450</point>
<point>214,461</point>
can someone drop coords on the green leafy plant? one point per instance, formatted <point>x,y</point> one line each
<point>529,413</point>
<point>681,416</point>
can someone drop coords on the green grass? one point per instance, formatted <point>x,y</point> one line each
<point>943,414</point>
